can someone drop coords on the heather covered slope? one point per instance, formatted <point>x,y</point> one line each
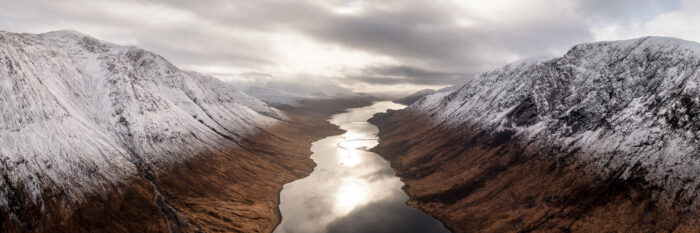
<point>93,133</point>
<point>602,138</point>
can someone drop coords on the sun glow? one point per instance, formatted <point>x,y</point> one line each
<point>349,157</point>
<point>349,8</point>
<point>350,194</point>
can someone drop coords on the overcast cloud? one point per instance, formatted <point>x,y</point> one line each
<point>367,46</point>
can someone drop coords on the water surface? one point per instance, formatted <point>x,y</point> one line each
<point>351,189</point>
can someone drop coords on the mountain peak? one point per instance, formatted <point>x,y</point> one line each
<point>623,101</point>
<point>66,32</point>
<point>607,120</point>
<point>648,44</point>
<point>72,101</point>
<point>69,34</point>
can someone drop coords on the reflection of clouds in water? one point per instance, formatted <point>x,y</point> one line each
<point>351,151</point>
<point>385,216</point>
<point>345,187</point>
<point>353,136</point>
<point>349,157</point>
<point>317,206</point>
<point>351,193</point>
<point>384,172</point>
<point>287,229</point>
<point>358,144</point>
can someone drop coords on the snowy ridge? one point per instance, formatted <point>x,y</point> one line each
<point>79,115</point>
<point>629,109</point>
<point>412,98</point>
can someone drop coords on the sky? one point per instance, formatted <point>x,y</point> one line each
<point>364,46</point>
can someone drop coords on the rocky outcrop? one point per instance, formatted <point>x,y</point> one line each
<point>603,138</point>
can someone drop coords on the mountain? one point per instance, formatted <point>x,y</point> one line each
<point>97,137</point>
<point>278,97</point>
<point>291,91</point>
<point>410,99</point>
<point>604,138</point>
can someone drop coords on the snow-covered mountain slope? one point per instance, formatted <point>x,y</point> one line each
<point>605,137</point>
<point>276,96</point>
<point>79,115</point>
<point>624,105</point>
<point>410,99</point>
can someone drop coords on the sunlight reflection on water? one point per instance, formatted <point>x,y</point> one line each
<point>351,193</point>
<point>349,157</point>
<point>351,189</point>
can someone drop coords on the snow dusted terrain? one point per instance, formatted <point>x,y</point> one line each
<point>275,96</point>
<point>629,109</point>
<point>412,98</point>
<point>79,115</point>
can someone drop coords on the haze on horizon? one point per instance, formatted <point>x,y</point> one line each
<point>363,46</point>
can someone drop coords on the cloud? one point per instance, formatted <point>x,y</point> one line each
<point>428,34</point>
<point>671,23</point>
<point>407,75</point>
<point>357,44</point>
<point>383,173</point>
<point>627,10</point>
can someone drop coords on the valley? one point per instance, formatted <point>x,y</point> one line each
<point>101,137</point>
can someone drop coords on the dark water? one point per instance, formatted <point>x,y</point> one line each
<point>351,189</point>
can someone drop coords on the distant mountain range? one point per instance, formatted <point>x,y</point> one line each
<point>277,97</point>
<point>412,98</point>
